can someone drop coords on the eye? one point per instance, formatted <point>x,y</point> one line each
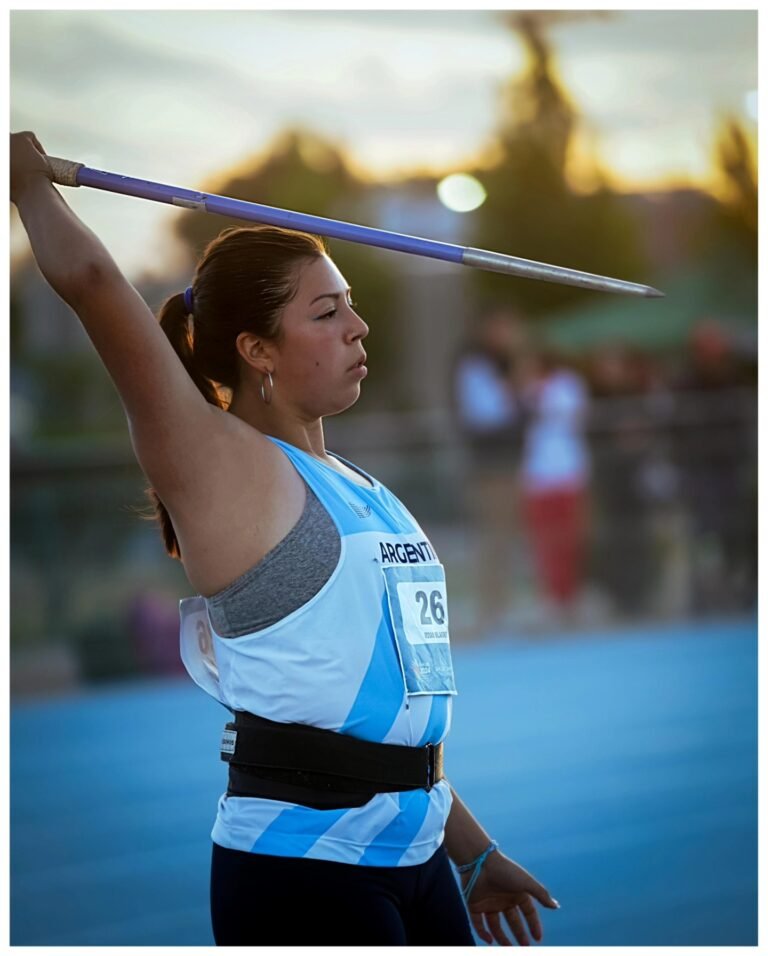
<point>326,315</point>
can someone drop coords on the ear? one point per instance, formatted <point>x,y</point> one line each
<point>256,352</point>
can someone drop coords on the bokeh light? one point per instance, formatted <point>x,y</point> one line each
<point>461,193</point>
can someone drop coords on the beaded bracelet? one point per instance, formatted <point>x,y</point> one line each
<point>476,866</point>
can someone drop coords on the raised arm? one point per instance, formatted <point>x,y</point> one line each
<point>169,417</point>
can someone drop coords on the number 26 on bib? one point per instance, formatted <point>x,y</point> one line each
<point>418,606</point>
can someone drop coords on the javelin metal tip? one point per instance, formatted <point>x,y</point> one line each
<point>652,293</point>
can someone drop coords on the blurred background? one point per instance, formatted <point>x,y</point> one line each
<point>585,464</point>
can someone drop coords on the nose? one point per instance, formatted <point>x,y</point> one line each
<point>357,329</point>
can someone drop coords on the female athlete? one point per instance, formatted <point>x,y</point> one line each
<point>320,620</point>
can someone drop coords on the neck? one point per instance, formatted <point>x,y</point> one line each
<point>278,423</point>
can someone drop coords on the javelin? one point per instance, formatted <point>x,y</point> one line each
<point>68,173</point>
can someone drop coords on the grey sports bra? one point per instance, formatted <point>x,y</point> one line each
<point>284,579</point>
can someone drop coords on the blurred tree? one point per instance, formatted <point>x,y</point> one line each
<point>725,244</point>
<point>298,170</point>
<point>531,210</point>
<point>535,107</point>
<point>302,171</point>
<point>730,234</point>
<point>737,164</point>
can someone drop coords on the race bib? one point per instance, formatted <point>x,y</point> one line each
<point>418,606</point>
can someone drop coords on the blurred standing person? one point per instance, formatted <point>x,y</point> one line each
<point>718,457</point>
<point>554,476</point>
<point>624,437</point>
<point>491,419</point>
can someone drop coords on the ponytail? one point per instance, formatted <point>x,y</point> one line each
<point>175,322</point>
<point>242,282</point>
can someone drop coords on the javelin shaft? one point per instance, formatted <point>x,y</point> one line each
<point>67,173</point>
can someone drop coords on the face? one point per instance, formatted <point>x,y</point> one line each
<point>318,361</point>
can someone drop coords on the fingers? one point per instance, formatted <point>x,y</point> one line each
<point>31,138</point>
<point>494,924</point>
<point>532,918</point>
<point>29,135</point>
<point>480,929</point>
<point>541,893</point>
<point>516,925</point>
<point>25,146</point>
<point>35,142</point>
<point>514,917</point>
<point>515,922</point>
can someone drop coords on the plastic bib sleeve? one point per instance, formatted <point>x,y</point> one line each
<point>418,607</point>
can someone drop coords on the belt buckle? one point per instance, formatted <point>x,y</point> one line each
<point>430,767</point>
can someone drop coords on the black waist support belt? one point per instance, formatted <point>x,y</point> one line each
<point>320,768</point>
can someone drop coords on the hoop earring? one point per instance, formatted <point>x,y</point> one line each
<point>267,399</point>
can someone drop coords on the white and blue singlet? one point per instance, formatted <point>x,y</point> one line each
<point>368,655</point>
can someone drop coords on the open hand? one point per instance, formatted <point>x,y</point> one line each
<point>505,888</point>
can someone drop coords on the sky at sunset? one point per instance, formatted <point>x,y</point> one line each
<point>178,96</point>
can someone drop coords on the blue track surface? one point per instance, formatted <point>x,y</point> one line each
<point>620,769</point>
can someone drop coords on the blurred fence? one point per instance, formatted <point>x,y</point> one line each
<point>672,529</point>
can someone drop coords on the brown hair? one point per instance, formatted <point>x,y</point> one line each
<point>244,279</point>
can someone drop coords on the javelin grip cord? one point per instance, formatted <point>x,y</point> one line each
<point>64,171</point>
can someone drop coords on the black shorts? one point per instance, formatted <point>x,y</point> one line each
<point>261,900</point>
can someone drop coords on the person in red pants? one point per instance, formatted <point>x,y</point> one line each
<point>555,477</point>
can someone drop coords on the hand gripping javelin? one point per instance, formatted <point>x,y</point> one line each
<point>68,173</point>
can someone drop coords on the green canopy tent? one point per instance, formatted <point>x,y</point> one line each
<point>660,324</point>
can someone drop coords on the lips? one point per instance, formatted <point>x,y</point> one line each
<point>359,362</point>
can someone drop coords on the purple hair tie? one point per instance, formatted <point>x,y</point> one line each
<point>189,300</point>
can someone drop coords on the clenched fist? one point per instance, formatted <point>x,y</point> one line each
<point>28,162</point>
